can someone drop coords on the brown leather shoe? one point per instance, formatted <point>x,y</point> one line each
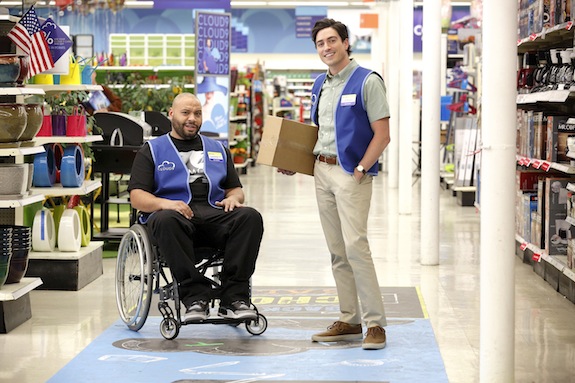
<point>339,331</point>
<point>374,339</point>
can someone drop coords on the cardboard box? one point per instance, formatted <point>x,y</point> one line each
<point>287,144</point>
<point>553,123</point>
<point>557,230</point>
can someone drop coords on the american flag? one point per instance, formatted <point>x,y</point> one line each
<point>28,36</point>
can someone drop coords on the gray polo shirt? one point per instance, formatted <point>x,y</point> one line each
<point>375,99</point>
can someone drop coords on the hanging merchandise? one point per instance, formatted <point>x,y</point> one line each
<point>89,6</point>
<point>445,14</point>
<point>476,9</point>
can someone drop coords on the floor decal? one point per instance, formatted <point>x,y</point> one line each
<point>283,353</point>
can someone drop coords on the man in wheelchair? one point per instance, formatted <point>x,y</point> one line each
<point>186,187</point>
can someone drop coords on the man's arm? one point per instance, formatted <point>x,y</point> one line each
<point>378,143</point>
<point>148,203</point>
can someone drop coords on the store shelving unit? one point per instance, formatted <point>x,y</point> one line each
<point>298,86</point>
<point>15,303</point>
<point>71,270</point>
<point>559,100</point>
<point>15,307</point>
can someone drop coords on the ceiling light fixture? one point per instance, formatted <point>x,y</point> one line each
<point>248,3</point>
<point>139,4</point>
<point>309,3</point>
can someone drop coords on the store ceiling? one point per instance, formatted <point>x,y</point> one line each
<point>239,3</point>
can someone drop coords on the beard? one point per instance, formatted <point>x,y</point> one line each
<point>186,133</point>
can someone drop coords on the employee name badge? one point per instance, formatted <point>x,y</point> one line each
<point>215,156</point>
<point>348,99</point>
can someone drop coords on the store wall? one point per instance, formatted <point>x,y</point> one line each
<point>264,30</point>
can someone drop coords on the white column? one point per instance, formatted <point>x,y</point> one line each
<point>497,317</point>
<point>379,40</point>
<point>405,106</point>
<point>379,54</point>
<point>392,83</point>
<point>430,130</point>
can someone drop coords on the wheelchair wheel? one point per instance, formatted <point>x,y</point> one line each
<point>169,328</point>
<point>258,326</point>
<point>134,278</point>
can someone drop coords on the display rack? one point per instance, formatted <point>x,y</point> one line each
<point>552,100</point>
<point>15,307</point>
<point>76,269</point>
<point>297,87</point>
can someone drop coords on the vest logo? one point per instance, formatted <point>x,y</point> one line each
<point>166,166</point>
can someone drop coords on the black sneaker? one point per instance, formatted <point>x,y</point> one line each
<point>237,310</point>
<point>197,311</point>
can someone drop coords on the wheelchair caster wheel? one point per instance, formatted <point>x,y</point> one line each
<point>169,328</point>
<point>258,326</point>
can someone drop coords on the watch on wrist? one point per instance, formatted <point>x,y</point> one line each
<point>361,169</point>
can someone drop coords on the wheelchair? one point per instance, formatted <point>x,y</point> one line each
<point>141,272</point>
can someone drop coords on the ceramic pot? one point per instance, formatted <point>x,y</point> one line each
<point>20,244</point>
<point>18,265</point>
<point>13,120</point>
<point>34,119</point>
<point>14,179</point>
<point>24,69</point>
<point>9,68</point>
<point>5,256</point>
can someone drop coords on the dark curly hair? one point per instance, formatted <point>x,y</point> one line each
<point>339,27</point>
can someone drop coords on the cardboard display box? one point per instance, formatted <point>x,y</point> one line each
<point>557,230</point>
<point>287,144</point>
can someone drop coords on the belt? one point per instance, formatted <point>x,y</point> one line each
<point>332,160</point>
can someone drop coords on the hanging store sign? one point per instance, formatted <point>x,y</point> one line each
<point>213,46</point>
<point>305,19</point>
<point>213,43</point>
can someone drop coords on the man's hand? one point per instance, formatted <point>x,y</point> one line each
<point>179,206</point>
<point>286,172</point>
<point>229,203</point>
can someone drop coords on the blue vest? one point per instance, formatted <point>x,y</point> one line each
<point>171,175</point>
<point>352,128</point>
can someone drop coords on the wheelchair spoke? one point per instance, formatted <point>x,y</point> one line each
<point>133,276</point>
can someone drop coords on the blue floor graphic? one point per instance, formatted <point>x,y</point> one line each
<point>283,353</point>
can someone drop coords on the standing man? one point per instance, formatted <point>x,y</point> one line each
<point>189,191</point>
<point>350,108</point>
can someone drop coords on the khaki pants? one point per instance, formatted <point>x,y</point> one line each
<point>343,209</point>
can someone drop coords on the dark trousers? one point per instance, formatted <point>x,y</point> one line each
<point>238,232</point>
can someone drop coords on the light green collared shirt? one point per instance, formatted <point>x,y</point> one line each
<point>375,99</point>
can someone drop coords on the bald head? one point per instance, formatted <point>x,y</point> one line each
<point>186,116</point>
<point>184,97</point>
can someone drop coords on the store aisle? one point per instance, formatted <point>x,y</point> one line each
<point>293,254</point>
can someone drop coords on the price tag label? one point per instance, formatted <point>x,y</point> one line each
<point>523,246</point>
<point>533,36</point>
<point>545,166</point>
<point>520,99</point>
<point>569,25</point>
<point>536,257</point>
<point>536,164</point>
<point>559,95</point>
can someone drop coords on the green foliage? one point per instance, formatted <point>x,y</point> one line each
<point>137,94</point>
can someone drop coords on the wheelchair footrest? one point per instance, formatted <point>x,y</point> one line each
<point>165,310</point>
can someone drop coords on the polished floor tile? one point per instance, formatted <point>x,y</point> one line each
<point>293,253</point>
